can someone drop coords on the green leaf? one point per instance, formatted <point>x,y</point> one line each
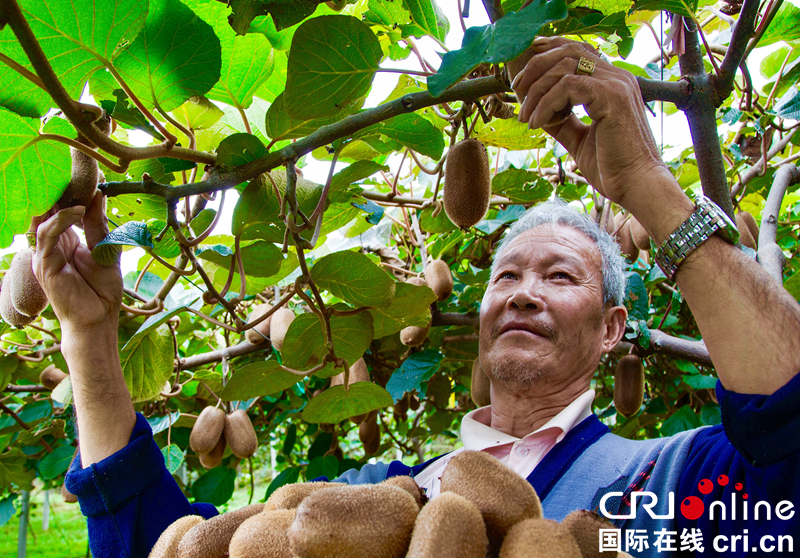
<point>583,21</point>
<point>132,233</point>
<point>521,186</point>
<point>785,26</point>
<point>54,464</point>
<point>636,300</point>
<point>198,113</point>
<point>679,7</point>
<point>792,285</point>
<point>167,247</point>
<point>682,420</point>
<point>415,371</point>
<point>323,466</point>
<point>788,106</point>
<point>700,381</point>
<point>428,16</point>
<point>239,149</point>
<point>510,134</point>
<point>7,509</point>
<point>151,324</point>
<point>410,306</point>
<point>258,379</point>
<point>215,486</point>
<point>75,36</point>
<point>304,344</point>
<point>287,476</point>
<point>353,277</point>
<point>34,173</point>
<point>711,414</point>
<point>607,7</point>
<point>13,470</point>
<point>331,65</point>
<point>159,424</point>
<point>176,56</point>
<point>498,42</point>
<point>411,130</point>
<point>335,404</point>
<point>173,457</point>
<point>342,180</point>
<point>280,125</point>
<point>147,364</point>
<point>290,439</point>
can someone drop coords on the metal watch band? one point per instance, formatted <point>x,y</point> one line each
<point>698,228</point>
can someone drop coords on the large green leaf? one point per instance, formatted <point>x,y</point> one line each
<point>335,404</point>
<point>785,26</point>
<point>76,37</point>
<point>498,42</point>
<point>304,344</point>
<point>152,323</point>
<point>215,486</point>
<point>173,457</point>
<point>260,259</point>
<point>510,134</point>
<point>607,7</point>
<point>56,463</point>
<point>521,186</point>
<point>583,21</point>
<point>34,172</point>
<point>257,379</point>
<point>679,7</point>
<point>413,131</point>
<point>147,364</point>
<point>331,65</point>
<point>414,373</point>
<point>353,277</point>
<point>427,16</point>
<point>280,125</point>
<point>177,55</point>
<point>410,306</point>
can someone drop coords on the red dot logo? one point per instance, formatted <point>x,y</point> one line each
<point>722,480</point>
<point>692,507</point>
<point>705,486</point>
<point>739,486</point>
<point>744,495</point>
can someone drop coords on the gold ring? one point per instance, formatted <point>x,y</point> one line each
<point>585,67</point>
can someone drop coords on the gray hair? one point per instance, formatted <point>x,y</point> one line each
<point>557,212</point>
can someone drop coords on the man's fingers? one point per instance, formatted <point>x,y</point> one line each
<point>549,54</point>
<point>95,224</point>
<point>48,233</point>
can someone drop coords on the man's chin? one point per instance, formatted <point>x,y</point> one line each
<point>511,371</point>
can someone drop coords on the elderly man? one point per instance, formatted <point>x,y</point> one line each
<point>551,309</point>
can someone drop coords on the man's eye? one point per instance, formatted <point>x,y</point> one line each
<point>506,275</point>
<point>562,275</point>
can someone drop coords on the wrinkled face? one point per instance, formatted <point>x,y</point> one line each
<point>542,316</point>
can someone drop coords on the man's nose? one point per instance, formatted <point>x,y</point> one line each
<point>526,297</point>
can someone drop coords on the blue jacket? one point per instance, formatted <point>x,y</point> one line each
<point>130,498</point>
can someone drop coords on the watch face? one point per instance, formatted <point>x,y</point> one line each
<point>727,228</point>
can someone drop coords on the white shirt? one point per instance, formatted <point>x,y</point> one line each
<point>521,455</point>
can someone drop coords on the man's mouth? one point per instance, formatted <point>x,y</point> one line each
<point>523,327</point>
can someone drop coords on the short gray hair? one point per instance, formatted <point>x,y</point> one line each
<point>557,212</point>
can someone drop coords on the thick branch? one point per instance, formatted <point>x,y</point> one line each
<point>243,348</point>
<point>676,92</point>
<point>660,342</point>
<point>770,255</point>
<point>455,319</point>
<point>737,48</point>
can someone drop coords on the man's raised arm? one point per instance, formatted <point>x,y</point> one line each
<point>750,324</point>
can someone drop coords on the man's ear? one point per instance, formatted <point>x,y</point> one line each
<point>614,319</point>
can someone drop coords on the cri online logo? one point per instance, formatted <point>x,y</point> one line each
<point>692,507</point>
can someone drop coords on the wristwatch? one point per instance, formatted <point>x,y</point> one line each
<point>707,219</point>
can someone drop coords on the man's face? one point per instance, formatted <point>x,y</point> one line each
<point>542,316</point>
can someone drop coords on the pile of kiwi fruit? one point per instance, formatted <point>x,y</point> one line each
<point>484,510</point>
<point>214,430</point>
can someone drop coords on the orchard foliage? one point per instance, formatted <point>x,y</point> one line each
<point>228,91</point>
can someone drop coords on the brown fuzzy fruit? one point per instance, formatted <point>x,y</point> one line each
<point>449,526</point>
<point>539,537</point>
<point>167,544</point>
<point>370,434</point>
<point>629,385</point>
<point>467,183</point>
<point>585,525</point>
<point>7,310</point>
<point>259,333</point>
<point>502,496</point>
<point>626,244</point>
<point>516,66</point>
<point>750,222</point>
<point>413,336</point>
<point>439,279</point>
<point>207,429</point>
<point>211,538</point>
<point>745,236</point>
<point>481,386</point>
<point>214,457</point>
<point>289,496</point>
<point>27,295</point>
<point>408,484</point>
<point>240,434</point>
<point>51,377</point>
<point>639,235</point>
<point>281,320</point>
<point>362,520</point>
<point>265,535</point>
<point>69,497</point>
<point>358,373</point>
<point>85,172</point>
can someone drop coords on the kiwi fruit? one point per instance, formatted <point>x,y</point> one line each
<point>51,377</point>
<point>362,520</point>
<point>750,221</point>
<point>401,408</point>
<point>439,279</point>
<point>265,535</point>
<point>626,244</point>
<point>27,295</point>
<point>467,183</point>
<point>502,496</point>
<point>639,235</point>
<point>167,544</point>
<point>540,537</point>
<point>207,429</point>
<point>358,373</point>
<point>260,332</point>
<point>413,402</point>
<point>7,310</point>
<point>745,236</point>
<point>214,457</point>
<point>407,483</point>
<point>585,525</point>
<point>515,66</point>
<point>289,496</point>
<point>281,320</point>
<point>414,336</point>
<point>69,497</point>
<point>629,385</point>
<point>449,526</point>
<point>85,172</point>
<point>211,538</point>
<point>370,434</point>
<point>480,389</point>
<point>240,434</point>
